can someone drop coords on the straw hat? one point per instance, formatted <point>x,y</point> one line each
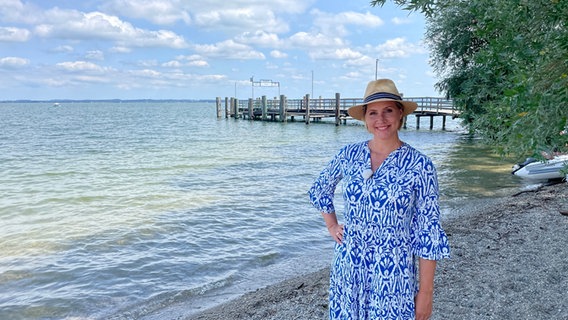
<point>381,90</point>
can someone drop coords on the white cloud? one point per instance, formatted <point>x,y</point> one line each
<point>194,60</point>
<point>13,62</point>
<point>147,73</point>
<point>260,38</point>
<point>157,11</point>
<point>398,21</point>
<point>92,79</point>
<point>229,49</point>
<point>237,20</point>
<point>16,11</point>
<point>81,66</point>
<point>210,77</point>
<point>282,6</point>
<point>351,75</point>
<point>198,63</point>
<point>120,49</point>
<point>398,48</point>
<point>172,64</point>
<point>147,63</point>
<point>191,63</point>
<point>52,82</point>
<point>336,54</point>
<point>190,57</point>
<point>360,61</point>
<point>64,48</point>
<point>232,17</point>
<point>278,54</point>
<point>239,16</point>
<point>161,38</point>
<point>10,34</point>
<point>336,24</point>
<point>74,25</point>
<point>309,40</point>
<point>95,55</point>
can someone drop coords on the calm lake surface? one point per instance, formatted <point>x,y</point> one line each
<point>159,209</point>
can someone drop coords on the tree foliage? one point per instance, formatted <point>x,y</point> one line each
<point>505,65</point>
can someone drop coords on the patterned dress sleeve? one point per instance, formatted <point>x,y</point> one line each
<point>429,241</point>
<point>323,189</point>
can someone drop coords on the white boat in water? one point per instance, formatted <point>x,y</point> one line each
<point>541,170</point>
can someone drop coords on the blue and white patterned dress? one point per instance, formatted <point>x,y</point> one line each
<point>391,218</point>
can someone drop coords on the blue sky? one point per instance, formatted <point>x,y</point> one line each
<point>190,49</point>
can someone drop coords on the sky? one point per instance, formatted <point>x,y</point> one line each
<point>203,49</point>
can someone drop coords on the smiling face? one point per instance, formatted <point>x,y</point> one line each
<point>383,119</point>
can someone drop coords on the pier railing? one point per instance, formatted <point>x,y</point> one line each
<point>283,109</point>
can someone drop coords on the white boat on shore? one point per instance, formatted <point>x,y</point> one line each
<point>541,170</point>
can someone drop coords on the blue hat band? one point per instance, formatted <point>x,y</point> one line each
<point>382,95</point>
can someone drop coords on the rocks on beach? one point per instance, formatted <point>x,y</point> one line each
<point>509,261</point>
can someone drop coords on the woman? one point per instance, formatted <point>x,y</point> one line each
<point>390,192</point>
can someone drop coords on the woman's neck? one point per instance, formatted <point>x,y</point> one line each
<point>380,150</point>
<point>384,147</point>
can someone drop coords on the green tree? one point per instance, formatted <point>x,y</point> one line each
<point>505,65</point>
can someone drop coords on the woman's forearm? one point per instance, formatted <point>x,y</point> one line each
<point>426,269</point>
<point>425,298</point>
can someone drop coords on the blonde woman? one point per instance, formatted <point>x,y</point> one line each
<point>386,250</point>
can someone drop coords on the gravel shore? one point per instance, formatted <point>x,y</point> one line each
<point>509,261</point>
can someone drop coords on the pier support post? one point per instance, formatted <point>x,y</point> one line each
<point>307,102</point>
<point>337,106</point>
<point>251,110</point>
<point>282,107</point>
<point>417,122</point>
<point>227,111</point>
<point>263,108</point>
<point>218,106</point>
<point>444,123</point>
<point>431,122</point>
<point>236,108</point>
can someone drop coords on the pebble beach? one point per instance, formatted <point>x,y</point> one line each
<point>509,261</point>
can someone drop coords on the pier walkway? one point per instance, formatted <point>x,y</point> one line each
<point>309,110</point>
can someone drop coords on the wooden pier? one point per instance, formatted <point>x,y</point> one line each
<point>309,110</point>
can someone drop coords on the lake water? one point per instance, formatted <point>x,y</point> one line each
<point>154,210</point>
